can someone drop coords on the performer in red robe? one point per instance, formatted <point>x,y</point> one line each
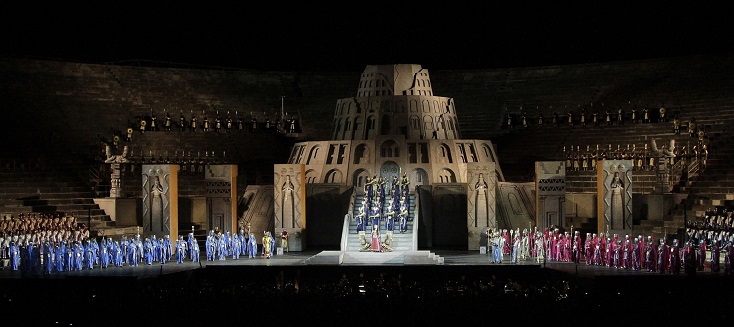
<point>375,245</point>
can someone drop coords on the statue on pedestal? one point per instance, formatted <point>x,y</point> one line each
<point>664,171</point>
<point>115,161</point>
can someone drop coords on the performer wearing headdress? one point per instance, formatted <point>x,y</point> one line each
<point>148,251</point>
<point>59,252</point>
<point>195,251</point>
<point>14,256</point>
<point>361,217</point>
<point>48,256</point>
<point>222,247</point>
<point>211,246</point>
<point>118,254</point>
<point>375,245</point>
<point>272,243</point>
<point>375,213</point>
<point>403,215</point>
<point>252,246</point>
<point>284,240</point>
<point>715,255</point>
<point>104,256</point>
<point>267,249</point>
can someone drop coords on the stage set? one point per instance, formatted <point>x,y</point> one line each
<point>396,215</point>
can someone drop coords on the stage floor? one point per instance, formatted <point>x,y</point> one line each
<point>449,258</point>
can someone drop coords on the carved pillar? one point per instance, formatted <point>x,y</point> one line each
<point>160,200</point>
<point>290,204</point>
<point>115,181</point>
<point>614,195</point>
<point>481,201</point>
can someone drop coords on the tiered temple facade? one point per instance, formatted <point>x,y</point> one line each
<point>395,125</point>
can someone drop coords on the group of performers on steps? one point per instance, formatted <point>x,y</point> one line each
<point>383,203</point>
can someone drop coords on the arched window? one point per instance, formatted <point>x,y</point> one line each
<point>333,176</point>
<point>337,127</point>
<point>446,154</point>
<point>370,127</point>
<point>428,121</point>
<point>312,155</point>
<point>446,176</point>
<point>361,154</point>
<point>347,127</point>
<point>389,149</point>
<point>310,176</point>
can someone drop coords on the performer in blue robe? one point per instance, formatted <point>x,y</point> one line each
<point>69,257</point>
<point>95,251</point>
<point>195,251</point>
<point>180,249</point>
<point>138,249</point>
<point>361,218</point>
<point>79,255</point>
<point>48,257</point>
<point>155,248</point>
<point>210,246</point>
<point>118,254</point>
<point>190,244</point>
<point>104,256</point>
<point>148,251</point>
<point>252,246</point>
<point>123,248</point>
<point>132,256</point>
<point>222,247</point>
<point>89,255</point>
<point>59,252</point>
<point>272,245</point>
<point>403,215</point>
<point>243,242</point>
<point>375,213</point>
<point>14,256</point>
<point>167,247</point>
<point>236,247</point>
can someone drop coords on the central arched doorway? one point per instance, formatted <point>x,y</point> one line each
<point>389,170</point>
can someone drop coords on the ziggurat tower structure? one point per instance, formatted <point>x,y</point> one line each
<point>395,126</point>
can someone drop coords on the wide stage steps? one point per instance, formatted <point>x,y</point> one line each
<point>422,257</point>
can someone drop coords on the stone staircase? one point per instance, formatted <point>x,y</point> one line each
<point>404,252</point>
<point>51,191</point>
<point>401,242</point>
<point>422,257</point>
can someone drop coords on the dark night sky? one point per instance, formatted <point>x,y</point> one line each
<point>338,37</point>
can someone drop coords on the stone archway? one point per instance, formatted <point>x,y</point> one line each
<point>419,177</point>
